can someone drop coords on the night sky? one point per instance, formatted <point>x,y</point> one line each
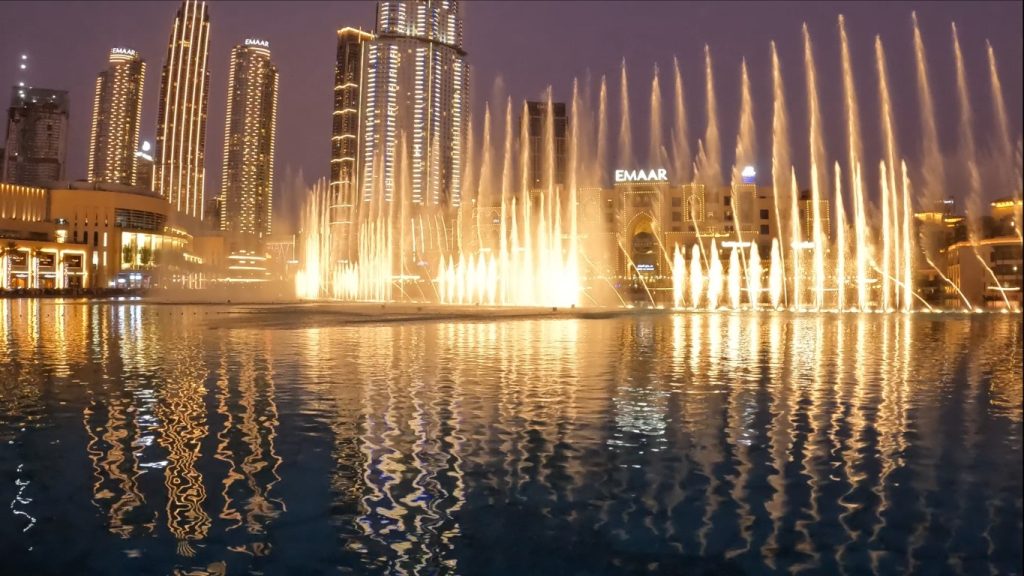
<point>519,48</point>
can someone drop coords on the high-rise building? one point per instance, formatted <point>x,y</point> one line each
<point>348,77</point>
<point>246,186</point>
<point>415,101</point>
<point>116,115</point>
<point>179,174</point>
<point>37,130</point>
<point>536,129</point>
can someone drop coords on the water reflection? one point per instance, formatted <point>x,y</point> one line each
<point>158,438</point>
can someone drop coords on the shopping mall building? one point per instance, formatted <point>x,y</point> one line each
<point>84,235</point>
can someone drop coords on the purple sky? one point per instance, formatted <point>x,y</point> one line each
<point>529,45</point>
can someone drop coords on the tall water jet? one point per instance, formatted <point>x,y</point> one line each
<point>780,162</point>
<point>733,283</point>
<point>776,282</point>
<point>1003,145</point>
<point>798,241</point>
<point>907,249</point>
<point>1007,163</point>
<point>746,152</point>
<point>746,138</point>
<point>602,134</point>
<point>933,173</point>
<point>855,151</point>
<point>817,146</point>
<point>680,138</point>
<point>709,164</point>
<point>840,244</point>
<point>678,276</point>
<point>486,181</point>
<point>863,248</point>
<point>714,278</point>
<point>888,184</point>
<point>885,300</point>
<point>696,277</point>
<point>571,272</point>
<point>754,277</point>
<point>625,151</point>
<point>654,151</point>
<point>968,150</point>
<point>969,155</point>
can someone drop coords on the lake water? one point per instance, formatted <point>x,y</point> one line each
<point>156,439</point>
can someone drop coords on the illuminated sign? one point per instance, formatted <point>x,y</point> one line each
<point>748,175</point>
<point>123,51</point>
<point>257,42</point>
<point>652,175</point>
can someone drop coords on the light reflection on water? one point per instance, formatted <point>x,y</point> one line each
<point>168,439</point>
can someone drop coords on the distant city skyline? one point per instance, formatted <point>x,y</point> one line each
<point>517,50</point>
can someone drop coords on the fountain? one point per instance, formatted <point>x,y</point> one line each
<point>525,238</point>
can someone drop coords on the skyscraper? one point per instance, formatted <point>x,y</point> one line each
<point>348,78</point>
<point>37,131</point>
<point>415,90</point>
<point>179,161</point>
<point>116,115</point>
<point>246,186</point>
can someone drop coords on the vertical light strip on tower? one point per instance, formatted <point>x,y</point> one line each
<point>181,130</point>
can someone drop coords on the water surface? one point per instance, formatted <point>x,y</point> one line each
<point>150,439</point>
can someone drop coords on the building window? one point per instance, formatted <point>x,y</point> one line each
<point>677,216</point>
<point>677,202</point>
<point>764,214</point>
<point>764,229</point>
<point>728,200</point>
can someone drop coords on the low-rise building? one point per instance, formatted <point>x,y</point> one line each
<point>101,236</point>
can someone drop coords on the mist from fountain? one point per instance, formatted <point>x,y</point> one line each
<point>817,147</point>
<point>709,162</point>
<point>733,282</point>
<point>855,151</point>
<point>781,167</point>
<point>680,137</point>
<point>625,148</point>
<point>933,172</point>
<point>840,243</point>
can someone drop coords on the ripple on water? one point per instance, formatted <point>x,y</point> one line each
<point>134,439</point>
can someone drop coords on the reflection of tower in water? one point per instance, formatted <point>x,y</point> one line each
<point>245,395</point>
<point>182,415</point>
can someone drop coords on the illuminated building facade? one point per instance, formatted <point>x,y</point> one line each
<point>116,116</point>
<point>37,132</point>
<point>179,162</point>
<point>348,78</point>
<point>86,235</point>
<point>414,94</point>
<point>247,182</point>
<point>634,226</point>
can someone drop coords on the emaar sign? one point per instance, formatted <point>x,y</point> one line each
<point>652,175</point>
